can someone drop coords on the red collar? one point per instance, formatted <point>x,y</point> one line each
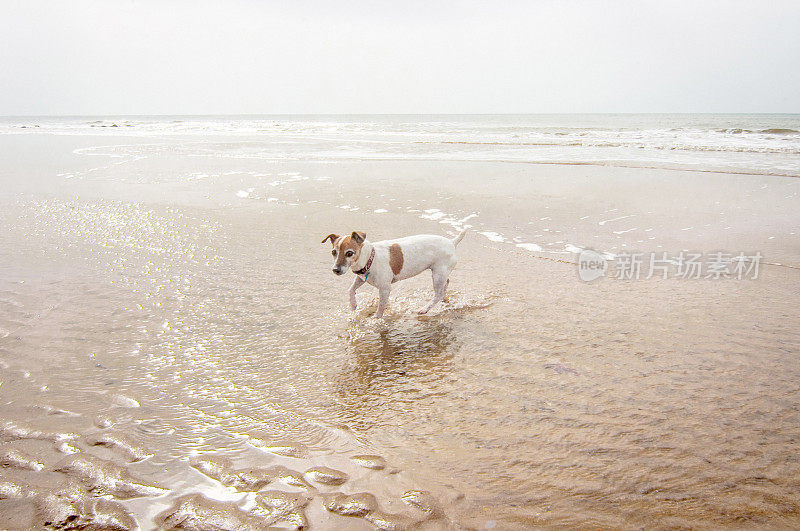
<point>364,270</point>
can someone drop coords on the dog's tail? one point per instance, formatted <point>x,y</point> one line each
<point>458,238</point>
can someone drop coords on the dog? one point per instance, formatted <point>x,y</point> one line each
<point>386,262</point>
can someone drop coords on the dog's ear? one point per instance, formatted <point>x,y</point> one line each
<point>332,238</point>
<point>359,237</point>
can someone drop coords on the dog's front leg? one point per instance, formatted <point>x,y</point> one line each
<point>382,300</point>
<point>357,283</point>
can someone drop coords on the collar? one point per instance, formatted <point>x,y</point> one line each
<point>365,270</point>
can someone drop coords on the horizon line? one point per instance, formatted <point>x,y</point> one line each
<point>652,113</point>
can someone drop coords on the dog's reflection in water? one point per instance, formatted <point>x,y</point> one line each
<point>398,363</point>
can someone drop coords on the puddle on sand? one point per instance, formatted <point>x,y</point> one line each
<point>186,394</point>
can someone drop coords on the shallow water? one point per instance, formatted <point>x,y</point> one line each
<point>163,306</point>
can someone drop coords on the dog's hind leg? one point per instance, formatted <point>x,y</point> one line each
<point>440,282</point>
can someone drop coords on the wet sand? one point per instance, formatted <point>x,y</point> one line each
<point>174,350</point>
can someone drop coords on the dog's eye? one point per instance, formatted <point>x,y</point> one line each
<point>349,253</point>
<point>333,252</point>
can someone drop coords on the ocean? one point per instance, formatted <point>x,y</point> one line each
<point>766,144</point>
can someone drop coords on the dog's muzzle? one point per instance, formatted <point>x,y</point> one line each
<point>338,271</point>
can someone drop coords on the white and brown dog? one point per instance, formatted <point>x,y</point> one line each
<point>385,262</point>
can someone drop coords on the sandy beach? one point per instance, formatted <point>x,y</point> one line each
<point>175,351</point>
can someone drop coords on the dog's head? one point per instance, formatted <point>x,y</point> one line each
<point>346,250</point>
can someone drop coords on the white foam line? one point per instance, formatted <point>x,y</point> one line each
<point>624,231</point>
<point>433,214</point>
<point>493,236</point>
<point>614,219</point>
<point>437,215</point>
<point>532,247</point>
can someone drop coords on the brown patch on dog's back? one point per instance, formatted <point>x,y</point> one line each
<point>395,258</point>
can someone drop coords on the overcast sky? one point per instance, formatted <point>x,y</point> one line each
<point>428,56</point>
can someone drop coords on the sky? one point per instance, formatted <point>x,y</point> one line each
<point>122,57</point>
